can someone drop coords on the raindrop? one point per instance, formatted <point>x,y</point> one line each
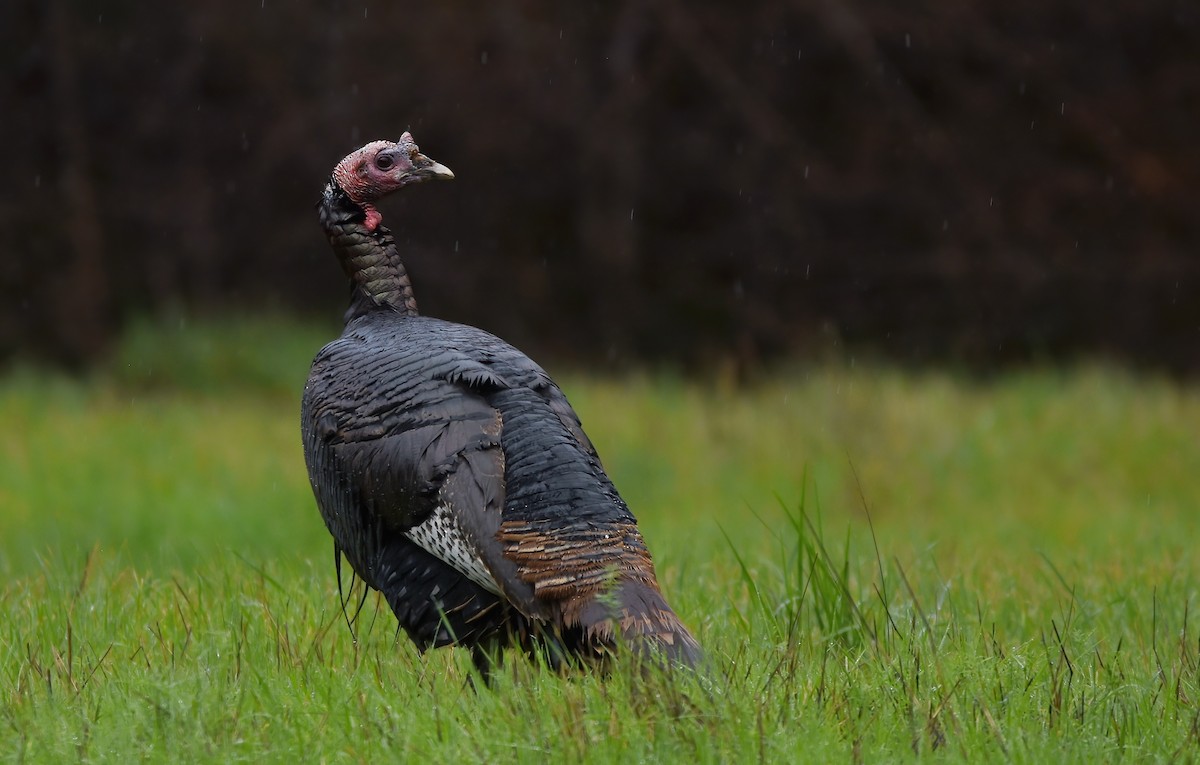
<point>483,57</point>
<point>456,245</point>
<point>806,172</point>
<point>907,40</point>
<point>37,181</point>
<point>630,213</point>
<point>991,200</point>
<point>945,225</point>
<point>799,52</point>
<point>1062,109</point>
<point>1032,123</point>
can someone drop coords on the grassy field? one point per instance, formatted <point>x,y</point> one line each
<point>883,566</point>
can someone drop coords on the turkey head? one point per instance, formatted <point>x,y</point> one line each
<point>381,167</point>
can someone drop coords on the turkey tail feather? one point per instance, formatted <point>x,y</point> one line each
<point>636,614</point>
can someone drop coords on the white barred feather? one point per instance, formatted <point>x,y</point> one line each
<point>441,536</point>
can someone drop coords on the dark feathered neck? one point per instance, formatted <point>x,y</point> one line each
<point>367,251</point>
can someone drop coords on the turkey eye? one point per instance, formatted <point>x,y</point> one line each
<point>383,163</point>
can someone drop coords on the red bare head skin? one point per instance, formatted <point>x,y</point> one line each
<point>381,167</point>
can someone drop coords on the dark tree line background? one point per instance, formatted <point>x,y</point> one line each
<point>982,182</point>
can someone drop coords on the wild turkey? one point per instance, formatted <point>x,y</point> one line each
<point>452,472</point>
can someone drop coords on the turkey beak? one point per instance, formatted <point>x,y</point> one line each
<point>427,168</point>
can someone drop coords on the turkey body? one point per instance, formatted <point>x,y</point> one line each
<point>455,477</point>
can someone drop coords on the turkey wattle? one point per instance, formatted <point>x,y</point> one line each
<point>452,472</point>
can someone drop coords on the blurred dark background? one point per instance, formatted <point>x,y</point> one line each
<point>982,183</point>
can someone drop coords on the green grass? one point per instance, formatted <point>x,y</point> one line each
<point>883,566</point>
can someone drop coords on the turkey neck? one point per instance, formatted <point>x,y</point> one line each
<point>369,257</point>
